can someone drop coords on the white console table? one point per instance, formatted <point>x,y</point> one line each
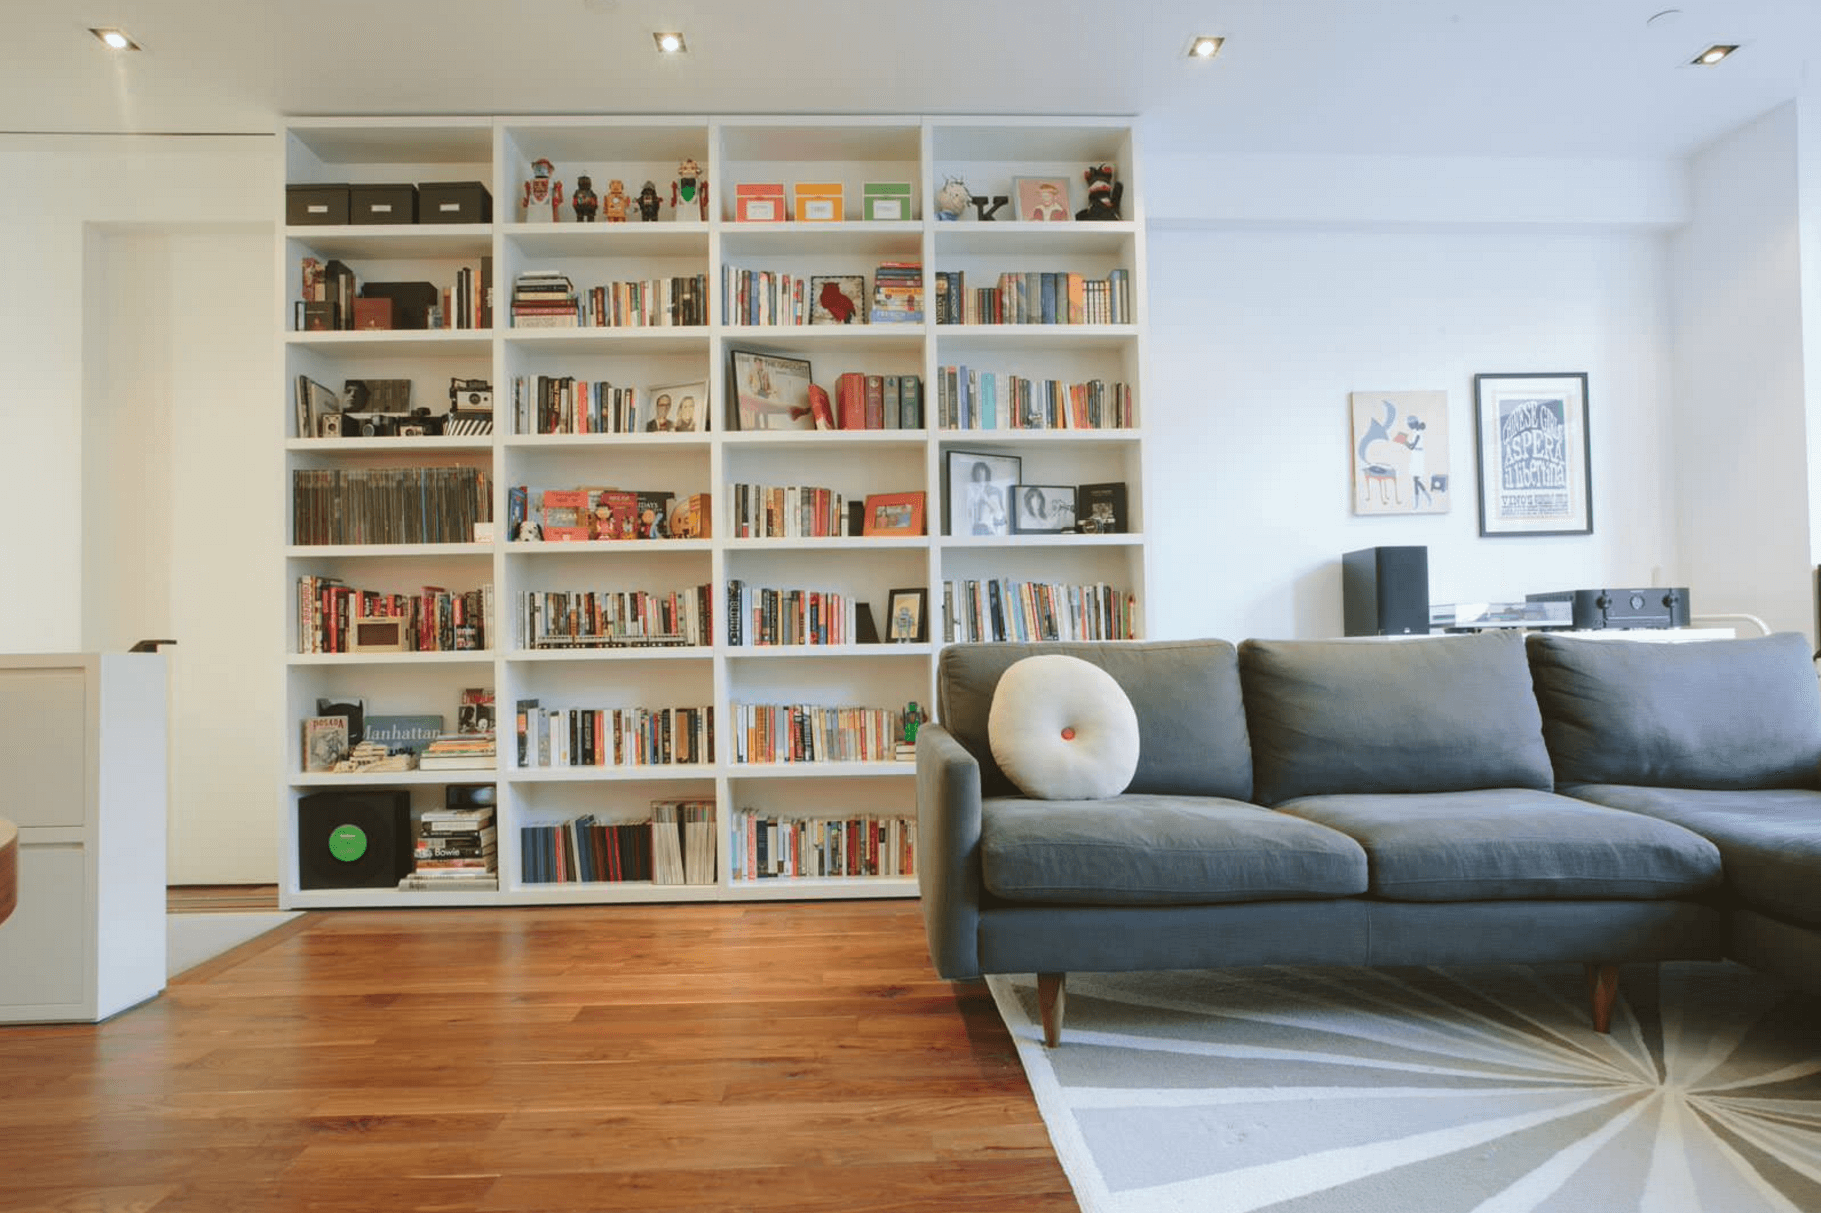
<point>82,776</point>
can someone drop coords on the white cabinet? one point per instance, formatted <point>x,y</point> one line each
<point>83,746</point>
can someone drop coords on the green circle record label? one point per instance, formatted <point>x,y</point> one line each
<point>348,843</point>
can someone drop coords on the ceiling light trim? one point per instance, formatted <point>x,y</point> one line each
<point>114,38</point>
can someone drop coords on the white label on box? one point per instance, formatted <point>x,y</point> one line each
<point>818,208</point>
<point>759,210</point>
<point>449,206</point>
<point>319,208</point>
<point>888,208</point>
<point>382,208</point>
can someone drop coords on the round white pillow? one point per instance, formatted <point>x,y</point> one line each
<point>1062,729</point>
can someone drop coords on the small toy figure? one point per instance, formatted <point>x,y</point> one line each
<point>913,719</point>
<point>617,201</point>
<point>585,201</point>
<point>649,203</point>
<point>986,207</point>
<point>1104,194</point>
<point>542,197</point>
<point>689,193</point>
<point>952,199</point>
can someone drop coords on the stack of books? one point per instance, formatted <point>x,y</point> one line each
<point>544,299</point>
<point>898,293</point>
<point>458,752</point>
<point>456,849</point>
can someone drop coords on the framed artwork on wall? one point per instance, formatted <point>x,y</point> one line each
<point>1535,457</point>
<point>1400,453</point>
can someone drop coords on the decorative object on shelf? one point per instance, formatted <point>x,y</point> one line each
<point>1535,456</point>
<point>759,202</point>
<point>372,313</point>
<point>454,202</point>
<point>907,620</point>
<point>1042,199</point>
<point>354,711</point>
<point>1100,509</point>
<point>885,200</point>
<point>649,203</point>
<point>893,514</point>
<point>1104,194</point>
<point>819,202</point>
<point>689,194</point>
<point>985,207</point>
<point>378,633</point>
<point>584,200</point>
<point>373,758</point>
<point>470,394</point>
<point>839,299</point>
<point>617,202</point>
<point>541,198</point>
<point>685,405</point>
<point>979,486</point>
<point>1400,453</point>
<point>325,742</point>
<point>952,199</point>
<point>1043,509</point>
<point>769,391</point>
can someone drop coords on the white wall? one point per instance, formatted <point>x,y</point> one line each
<point>1740,400</point>
<point>1258,335</point>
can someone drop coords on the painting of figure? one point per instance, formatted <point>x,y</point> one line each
<point>1400,452</point>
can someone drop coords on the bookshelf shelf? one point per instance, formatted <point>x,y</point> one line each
<point>854,151</point>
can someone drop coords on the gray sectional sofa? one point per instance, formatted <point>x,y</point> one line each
<point>1438,801</point>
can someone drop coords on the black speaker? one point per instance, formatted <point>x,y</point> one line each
<point>1385,591</point>
<point>354,840</point>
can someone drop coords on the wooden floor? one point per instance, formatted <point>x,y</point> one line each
<point>795,1057</point>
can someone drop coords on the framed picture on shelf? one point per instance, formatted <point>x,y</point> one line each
<point>1043,509</point>
<point>893,514</point>
<point>979,492</point>
<point>838,299</point>
<point>769,391</point>
<point>1535,460</point>
<point>906,620</point>
<point>679,409</point>
<point>1042,199</point>
<point>1100,509</point>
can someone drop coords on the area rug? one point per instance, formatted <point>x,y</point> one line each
<point>1429,1091</point>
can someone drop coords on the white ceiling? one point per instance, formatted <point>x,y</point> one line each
<point>1422,77</point>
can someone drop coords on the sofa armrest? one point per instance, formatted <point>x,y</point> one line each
<point>948,851</point>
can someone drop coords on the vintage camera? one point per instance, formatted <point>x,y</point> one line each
<point>470,394</point>
<point>370,425</point>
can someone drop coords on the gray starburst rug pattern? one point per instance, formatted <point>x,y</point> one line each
<point>1429,1091</point>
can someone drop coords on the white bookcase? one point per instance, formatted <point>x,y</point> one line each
<point>987,153</point>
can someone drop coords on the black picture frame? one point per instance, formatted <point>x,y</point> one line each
<point>907,616</point>
<point>985,512</point>
<point>1043,509</point>
<point>1533,453</point>
<point>1102,509</point>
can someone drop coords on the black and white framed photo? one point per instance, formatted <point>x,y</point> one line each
<point>979,492</point>
<point>1043,509</point>
<point>907,618</point>
<point>1535,458</point>
<point>770,392</point>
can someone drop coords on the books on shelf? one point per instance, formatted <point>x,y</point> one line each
<point>612,737</point>
<point>646,303</point>
<point>898,293</point>
<point>1035,297</point>
<point>581,619</point>
<point>1001,609</point>
<point>764,511</point>
<point>799,732</point>
<point>760,615</point>
<point>972,399</point>
<point>457,848</point>
<point>329,615</point>
<point>388,505</point>
<point>762,297</point>
<point>762,846</point>
<point>676,846</point>
<point>563,404</point>
<point>878,402</point>
<point>458,752</point>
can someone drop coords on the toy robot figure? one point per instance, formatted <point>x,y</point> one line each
<point>542,197</point>
<point>617,201</point>
<point>649,203</point>
<point>689,193</point>
<point>584,200</point>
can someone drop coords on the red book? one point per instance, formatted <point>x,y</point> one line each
<point>850,397</point>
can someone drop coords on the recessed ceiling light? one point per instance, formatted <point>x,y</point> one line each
<point>669,42</point>
<point>1712,55</point>
<point>115,39</point>
<point>1202,46</point>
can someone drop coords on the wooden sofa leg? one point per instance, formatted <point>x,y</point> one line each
<point>1049,1004</point>
<point>1603,986</point>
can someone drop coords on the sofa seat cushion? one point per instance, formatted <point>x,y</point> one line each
<point>1508,844</point>
<point>1769,840</point>
<point>1160,850</point>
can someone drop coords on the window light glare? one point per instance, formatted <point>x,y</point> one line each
<point>1713,55</point>
<point>115,39</point>
<point>669,42</point>
<point>1204,47</point>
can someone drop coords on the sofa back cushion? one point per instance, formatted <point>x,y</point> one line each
<point>1436,714</point>
<point>1191,719</point>
<point>1715,714</point>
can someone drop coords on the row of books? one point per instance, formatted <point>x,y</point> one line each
<point>563,404</point>
<point>548,299</point>
<point>898,293</point>
<point>768,297</point>
<point>759,615</point>
<point>435,620</point>
<point>581,619</point>
<point>969,399</point>
<point>675,847</point>
<point>804,732</point>
<point>1001,609</point>
<point>456,848</point>
<point>877,402</point>
<point>613,737</point>
<point>1035,297</point>
<point>389,505</point>
<point>767,511</point>
<point>765,846</point>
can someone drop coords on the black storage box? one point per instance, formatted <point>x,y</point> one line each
<point>382,204</point>
<point>454,202</point>
<point>306,205</point>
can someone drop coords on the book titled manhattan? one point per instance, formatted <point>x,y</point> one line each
<point>458,752</point>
